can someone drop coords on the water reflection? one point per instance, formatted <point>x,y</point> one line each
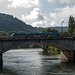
<point>7,71</point>
<point>64,69</point>
<point>68,63</point>
<point>33,62</point>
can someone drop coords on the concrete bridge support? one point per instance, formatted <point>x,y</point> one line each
<point>1,58</point>
<point>67,55</point>
<point>1,61</point>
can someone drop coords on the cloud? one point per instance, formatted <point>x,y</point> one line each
<point>67,1</point>
<point>51,1</point>
<point>62,14</point>
<point>24,3</point>
<point>40,24</point>
<point>62,1</point>
<point>35,18</point>
<point>53,24</point>
<point>34,15</point>
<point>66,11</point>
<point>1,1</point>
<point>53,15</point>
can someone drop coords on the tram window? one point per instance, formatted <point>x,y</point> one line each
<point>34,35</point>
<point>16,36</point>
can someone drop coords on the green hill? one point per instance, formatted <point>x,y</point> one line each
<point>9,23</point>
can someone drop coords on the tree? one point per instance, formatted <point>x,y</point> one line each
<point>54,30</point>
<point>71,25</point>
<point>47,30</point>
<point>21,32</point>
<point>3,33</point>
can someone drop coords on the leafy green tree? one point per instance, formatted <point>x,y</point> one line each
<point>71,25</point>
<point>35,46</point>
<point>21,32</point>
<point>3,34</point>
<point>54,30</point>
<point>66,34</point>
<point>73,32</point>
<point>45,47</point>
<point>53,50</point>
<point>44,31</point>
<point>47,30</point>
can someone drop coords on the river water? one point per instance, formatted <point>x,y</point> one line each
<point>33,62</point>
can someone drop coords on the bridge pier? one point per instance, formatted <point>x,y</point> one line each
<point>1,61</point>
<point>74,55</point>
<point>67,55</point>
<point>1,56</point>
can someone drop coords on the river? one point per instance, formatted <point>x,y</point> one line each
<point>33,62</point>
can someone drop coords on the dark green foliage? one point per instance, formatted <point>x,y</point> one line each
<point>3,34</point>
<point>54,30</point>
<point>45,47</point>
<point>21,32</point>
<point>65,34</point>
<point>71,25</point>
<point>53,50</point>
<point>29,46</point>
<point>47,30</point>
<point>35,46</point>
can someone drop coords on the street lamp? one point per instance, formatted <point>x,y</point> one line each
<point>62,26</point>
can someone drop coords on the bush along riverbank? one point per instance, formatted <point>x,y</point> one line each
<point>49,50</point>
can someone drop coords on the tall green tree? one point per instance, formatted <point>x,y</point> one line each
<point>71,25</point>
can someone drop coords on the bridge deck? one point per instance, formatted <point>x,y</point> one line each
<point>52,38</point>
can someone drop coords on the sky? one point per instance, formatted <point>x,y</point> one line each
<point>40,13</point>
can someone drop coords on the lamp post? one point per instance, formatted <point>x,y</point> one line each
<point>62,26</point>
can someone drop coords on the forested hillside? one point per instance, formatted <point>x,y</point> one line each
<point>9,23</point>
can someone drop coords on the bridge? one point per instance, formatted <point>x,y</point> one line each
<point>66,46</point>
